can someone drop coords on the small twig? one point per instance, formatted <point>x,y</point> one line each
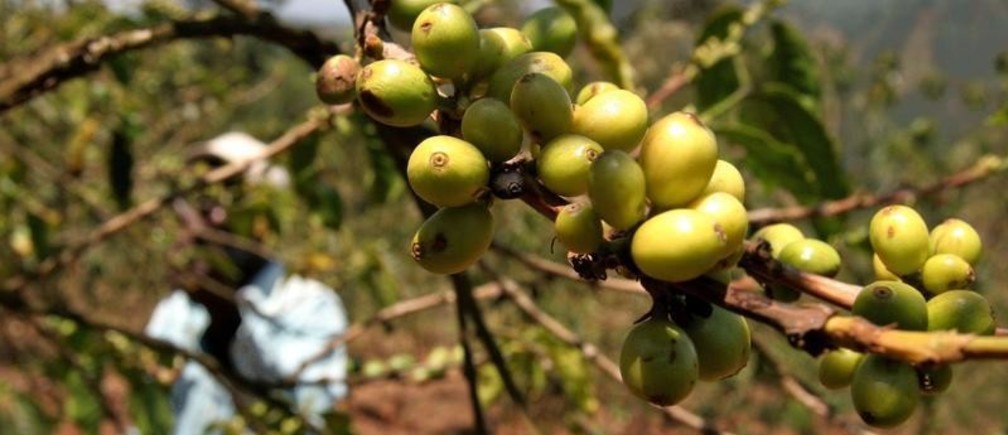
<point>464,290</point>
<point>672,84</point>
<point>984,167</point>
<point>391,312</point>
<point>469,369</point>
<point>29,77</point>
<point>564,271</point>
<point>123,220</point>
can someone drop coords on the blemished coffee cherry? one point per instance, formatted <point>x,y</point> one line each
<point>453,238</point>
<point>677,245</point>
<point>961,310</point>
<point>403,13</point>
<point>892,302</point>
<point>880,271</point>
<point>543,106</point>
<point>445,40</point>
<point>678,155</point>
<point>447,171</point>
<point>616,120</point>
<point>503,80</point>
<point>899,236</point>
<point>658,362</point>
<point>812,256</point>
<point>943,272</point>
<point>836,368</point>
<point>336,82</point>
<point>498,45</point>
<point>592,89</point>
<point>564,163</point>
<point>934,379</point>
<point>779,236</point>
<point>616,189</point>
<point>492,127</point>
<point>722,342</point>
<point>957,237</point>
<point>578,227</point>
<point>396,93</point>
<point>551,29</point>
<point>727,179</point>
<point>884,391</point>
<point>730,216</point>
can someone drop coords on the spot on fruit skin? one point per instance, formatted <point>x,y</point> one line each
<point>375,104</point>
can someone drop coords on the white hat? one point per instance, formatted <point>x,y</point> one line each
<point>236,146</point>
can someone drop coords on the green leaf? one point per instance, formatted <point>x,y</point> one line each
<point>718,81</point>
<point>39,230</point>
<point>386,183</point>
<point>120,167</point>
<point>770,160</point>
<point>792,63</point>
<point>329,206</point>
<point>300,163</point>
<point>778,111</point>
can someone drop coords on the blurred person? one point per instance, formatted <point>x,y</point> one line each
<point>239,306</point>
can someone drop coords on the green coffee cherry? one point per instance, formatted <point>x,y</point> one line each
<point>503,80</point>
<point>592,89</point>
<point>881,273</point>
<point>934,379</point>
<point>578,227</point>
<point>884,391</point>
<point>543,106</point>
<point>564,163</point>
<point>678,155</point>
<point>453,238</point>
<point>730,216</point>
<point>446,40</point>
<point>778,236</point>
<point>722,342</point>
<point>892,302</point>
<point>727,179</point>
<point>403,13</point>
<point>447,172</point>
<point>616,120</point>
<point>812,256</point>
<point>396,93</point>
<point>616,189</point>
<point>658,362</point>
<point>900,238</point>
<point>961,310</point>
<point>836,368</point>
<point>336,80</point>
<point>551,29</point>
<point>943,272</point>
<point>491,126</point>
<point>498,46</point>
<point>677,245</point>
<point>955,236</point>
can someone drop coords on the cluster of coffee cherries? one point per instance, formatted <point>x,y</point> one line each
<point>923,282</point>
<point>655,189</point>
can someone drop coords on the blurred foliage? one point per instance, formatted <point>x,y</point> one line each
<point>811,114</point>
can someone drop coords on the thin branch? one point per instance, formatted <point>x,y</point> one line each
<point>25,78</point>
<point>555,269</point>
<point>391,312</point>
<point>469,369</point>
<point>121,221</point>
<point>984,168</point>
<point>464,290</point>
<point>591,353</point>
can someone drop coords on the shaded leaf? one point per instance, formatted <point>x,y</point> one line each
<point>717,81</point>
<point>120,167</point>
<point>770,160</point>
<point>778,111</point>
<point>793,64</point>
